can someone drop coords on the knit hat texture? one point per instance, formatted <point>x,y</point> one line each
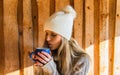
<point>61,22</point>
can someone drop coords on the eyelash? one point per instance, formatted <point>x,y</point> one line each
<point>53,35</point>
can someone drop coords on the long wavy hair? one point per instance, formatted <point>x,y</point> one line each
<point>68,50</point>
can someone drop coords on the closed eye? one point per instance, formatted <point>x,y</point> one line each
<point>53,35</point>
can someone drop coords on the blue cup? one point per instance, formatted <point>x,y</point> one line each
<point>42,49</point>
<point>47,50</point>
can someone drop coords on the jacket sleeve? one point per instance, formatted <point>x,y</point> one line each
<point>50,68</point>
<point>82,65</point>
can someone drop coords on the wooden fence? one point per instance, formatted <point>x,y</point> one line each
<point>96,28</point>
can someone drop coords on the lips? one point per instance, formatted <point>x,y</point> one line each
<point>50,45</point>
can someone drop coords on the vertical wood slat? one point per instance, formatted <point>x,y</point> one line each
<point>59,4</point>
<point>78,6</point>
<point>35,27</point>
<point>43,14</point>
<point>116,69</point>
<point>2,50</point>
<point>89,32</point>
<point>104,18</point>
<point>20,28</point>
<point>27,37</point>
<point>11,37</point>
<point>112,10</point>
<point>96,37</point>
<point>34,11</point>
<point>52,6</point>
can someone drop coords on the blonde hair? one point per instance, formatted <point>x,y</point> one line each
<point>68,50</point>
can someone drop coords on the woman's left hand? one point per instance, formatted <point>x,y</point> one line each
<point>42,58</point>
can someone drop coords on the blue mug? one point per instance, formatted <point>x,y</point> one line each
<point>42,49</point>
<point>47,50</point>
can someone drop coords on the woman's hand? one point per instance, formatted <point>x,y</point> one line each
<point>42,58</point>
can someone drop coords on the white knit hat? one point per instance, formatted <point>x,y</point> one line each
<point>62,22</point>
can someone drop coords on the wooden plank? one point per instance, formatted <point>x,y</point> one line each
<point>104,22</point>
<point>35,29</point>
<point>59,4</point>
<point>35,22</point>
<point>78,23</point>
<point>20,28</point>
<point>83,28</point>
<point>112,10</point>
<point>43,14</point>
<point>11,37</point>
<point>96,37</point>
<point>89,32</point>
<point>2,53</point>
<point>52,6</point>
<point>116,69</point>
<point>27,37</point>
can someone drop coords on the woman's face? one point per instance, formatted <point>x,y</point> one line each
<point>53,40</point>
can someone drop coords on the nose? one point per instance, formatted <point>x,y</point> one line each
<point>48,38</point>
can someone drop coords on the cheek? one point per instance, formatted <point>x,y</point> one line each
<point>58,42</point>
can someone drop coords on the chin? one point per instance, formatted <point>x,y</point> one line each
<point>52,48</point>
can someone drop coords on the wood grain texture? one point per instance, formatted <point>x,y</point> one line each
<point>34,10</point>
<point>27,37</point>
<point>52,7</point>
<point>11,36</point>
<point>20,29</point>
<point>59,4</point>
<point>117,41</point>
<point>89,32</point>
<point>78,23</point>
<point>2,50</point>
<point>43,14</point>
<point>112,20</point>
<point>104,22</point>
<point>96,37</point>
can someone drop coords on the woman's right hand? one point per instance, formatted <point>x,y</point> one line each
<point>42,58</point>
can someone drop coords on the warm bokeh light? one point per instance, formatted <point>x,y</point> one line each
<point>90,51</point>
<point>27,71</point>
<point>14,73</point>
<point>117,56</point>
<point>104,53</point>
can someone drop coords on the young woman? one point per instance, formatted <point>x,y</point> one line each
<point>67,57</point>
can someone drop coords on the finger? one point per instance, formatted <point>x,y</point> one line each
<point>40,59</point>
<point>37,63</point>
<point>46,54</point>
<point>43,57</point>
